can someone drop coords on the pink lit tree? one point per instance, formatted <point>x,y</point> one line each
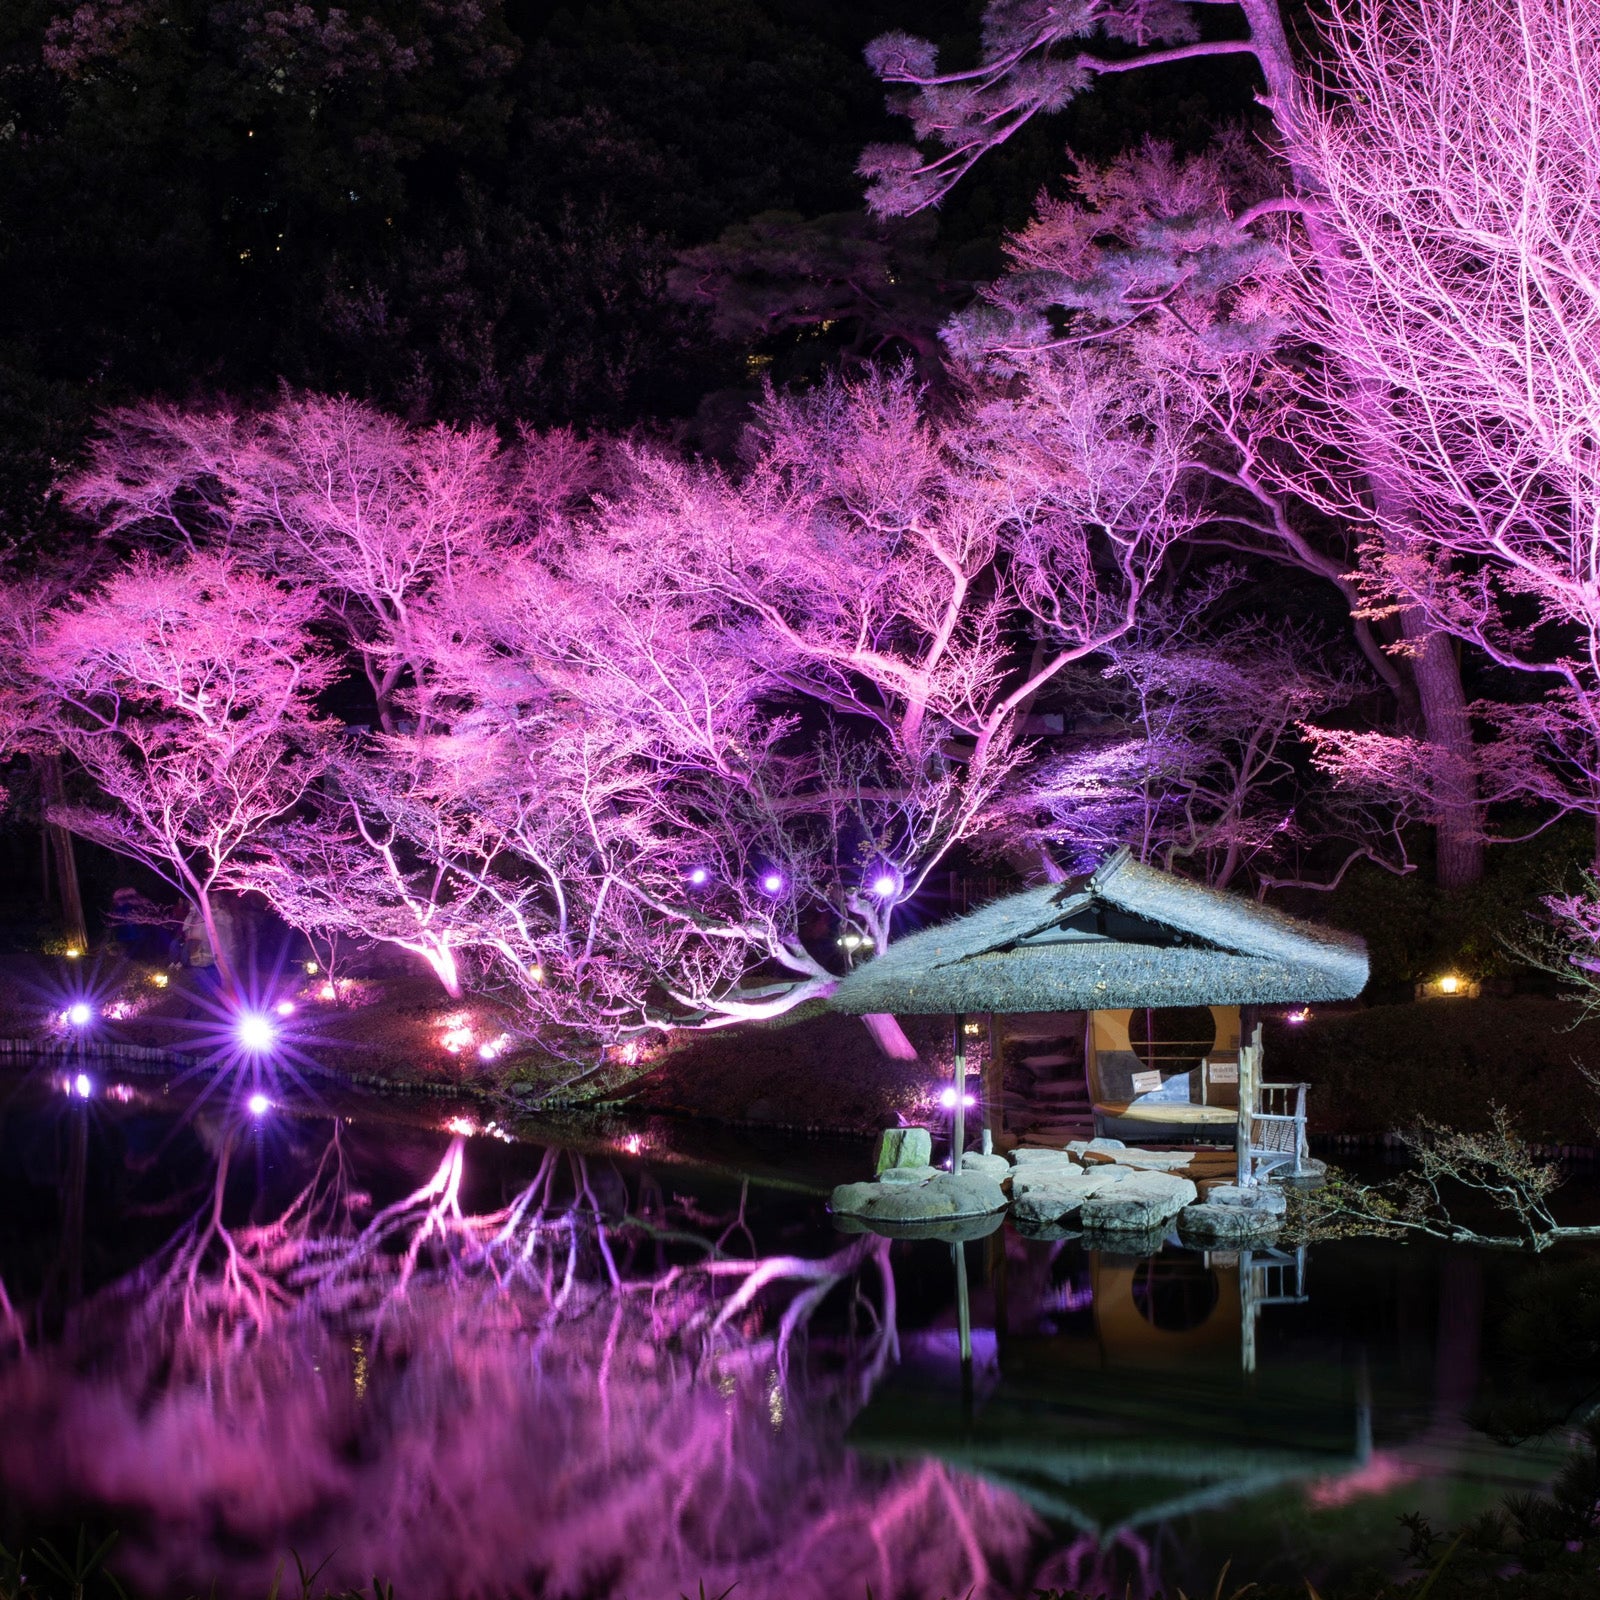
<point>1185,269</point>
<point>184,691</point>
<point>1199,756</point>
<point>874,562</point>
<point>1465,204</point>
<point>384,522</point>
<point>636,758</point>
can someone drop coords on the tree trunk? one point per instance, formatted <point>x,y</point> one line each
<point>1434,668</point>
<point>1448,730</point>
<point>58,841</point>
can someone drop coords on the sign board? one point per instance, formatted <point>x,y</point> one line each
<point>1223,1071</point>
<point>1146,1082</point>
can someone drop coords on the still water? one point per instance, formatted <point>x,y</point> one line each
<point>484,1365</point>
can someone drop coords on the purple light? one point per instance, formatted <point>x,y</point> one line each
<point>258,1105</point>
<point>284,1008</point>
<point>82,1087</point>
<point>885,884</point>
<point>255,1032</point>
<point>700,876</point>
<point>947,1099</point>
<point>80,1014</point>
<point>773,883</point>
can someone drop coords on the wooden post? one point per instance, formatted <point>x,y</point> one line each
<point>994,1099</point>
<point>1249,1088</point>
<point>958,1127</point>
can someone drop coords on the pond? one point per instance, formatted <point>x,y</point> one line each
<point>477,1364</point>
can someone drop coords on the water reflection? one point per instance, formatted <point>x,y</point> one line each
<point>583,1384</point>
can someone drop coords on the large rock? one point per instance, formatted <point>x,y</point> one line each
<point>1234,1215</point>
<point>1143,1200</point>
<point>903,1147</point>
<point>995,1167</point>
<point>947,1194</point>
<point>1049,1195</point>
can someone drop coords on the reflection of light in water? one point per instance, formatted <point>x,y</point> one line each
<point>1379,1474</point>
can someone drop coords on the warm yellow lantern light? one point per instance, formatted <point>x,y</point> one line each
<point>1449,985</point>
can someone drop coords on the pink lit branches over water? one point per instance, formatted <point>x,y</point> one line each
<point>574,1393</point>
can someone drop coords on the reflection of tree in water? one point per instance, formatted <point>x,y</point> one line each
<point>535,1400</point>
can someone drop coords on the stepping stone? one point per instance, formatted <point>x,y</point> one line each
<point>946,1194</point>
<point>1042,1195</point>
<point>1142,1201</point>
<point>995,1167</point>
<point>1026,1155</point>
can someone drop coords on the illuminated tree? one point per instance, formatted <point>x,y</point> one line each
<point>1198,757</point>
<point>185,691</point>
<point>1190,283</point>
<point>1465,204</point>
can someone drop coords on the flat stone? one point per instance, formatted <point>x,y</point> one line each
<point>907,1174</point>
<point>946,1194</point>
<point>1228,1224</point>
<point>1101,1150</point>
<point>1142,1201</point>
<point>1256,1197</point>
<point>903,1147</point>
<point>1048,1196</point>
<point>1024,1157</point>
<point>993,1167</point>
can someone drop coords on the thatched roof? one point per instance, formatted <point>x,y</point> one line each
<point>1126,935</point>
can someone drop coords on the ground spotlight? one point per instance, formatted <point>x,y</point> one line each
<point>80,1014</point>
<point>255,1032</point>
<point>258,1104</point>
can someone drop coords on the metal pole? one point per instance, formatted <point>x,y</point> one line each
<point>958,1128</point>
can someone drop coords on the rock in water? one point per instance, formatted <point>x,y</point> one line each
<point>908,1174</point>
<point>948,1194</point>
<point>1140,1201</point>
<point>903,1147</point>
<point>996,1167</point>
<point>1025,1157</point>
<point>1044,1194</point>
<point>1234,1215</point>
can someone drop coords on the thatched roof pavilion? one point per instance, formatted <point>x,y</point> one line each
<point>1125,935</point>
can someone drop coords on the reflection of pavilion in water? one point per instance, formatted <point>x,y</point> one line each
<point>1121,1392</point>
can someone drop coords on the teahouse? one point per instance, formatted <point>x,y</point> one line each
<point>1125,939</point>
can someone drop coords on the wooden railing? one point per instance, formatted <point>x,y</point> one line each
<point>1274,1133</point>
